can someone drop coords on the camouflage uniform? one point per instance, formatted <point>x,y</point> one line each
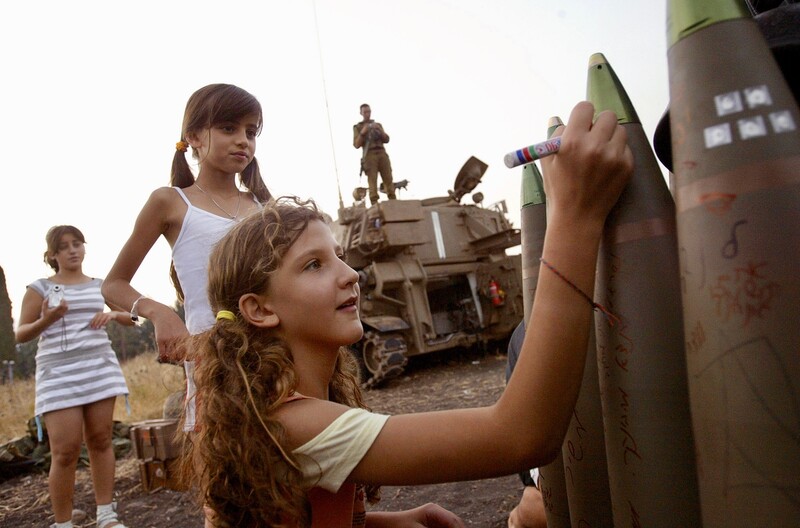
<point>374,160</point>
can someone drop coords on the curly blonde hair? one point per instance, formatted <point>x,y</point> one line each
<point>239,459</point>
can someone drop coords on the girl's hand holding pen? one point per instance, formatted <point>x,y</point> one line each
<point>593,165</point>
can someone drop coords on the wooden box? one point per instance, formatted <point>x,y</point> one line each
<point>155,440</point>
<point>160,474</point>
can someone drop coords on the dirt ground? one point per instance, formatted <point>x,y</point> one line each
<point>463,379</point>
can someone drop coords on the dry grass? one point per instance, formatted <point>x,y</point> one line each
<point>149,384</point>
<point>16,407</point>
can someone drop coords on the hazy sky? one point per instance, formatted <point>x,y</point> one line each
<point>93,94</point>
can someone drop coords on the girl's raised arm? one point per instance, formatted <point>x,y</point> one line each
<point>526,427</point>
<point>160,215</point>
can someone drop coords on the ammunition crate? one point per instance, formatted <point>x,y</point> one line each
<point>155,440</point>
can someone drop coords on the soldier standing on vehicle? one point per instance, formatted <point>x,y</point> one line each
<point>370,137</point>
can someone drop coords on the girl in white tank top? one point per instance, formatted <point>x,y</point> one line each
<point>220,126</point>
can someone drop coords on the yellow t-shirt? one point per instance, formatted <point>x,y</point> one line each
<point>328,459</point>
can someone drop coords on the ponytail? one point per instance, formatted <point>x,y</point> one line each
<point>252,180</point>
<point>181,175</point>
<point>173,277</point>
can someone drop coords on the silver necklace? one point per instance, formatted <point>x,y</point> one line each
<point>238,202</point>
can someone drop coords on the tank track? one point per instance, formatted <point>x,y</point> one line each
<point>383,355</point>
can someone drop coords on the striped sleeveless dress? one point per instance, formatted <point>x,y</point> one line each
<point>75,364</point>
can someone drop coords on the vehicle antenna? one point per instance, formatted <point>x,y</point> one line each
<point>327,108</point>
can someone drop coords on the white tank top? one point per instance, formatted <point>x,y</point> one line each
<point>200,231</point>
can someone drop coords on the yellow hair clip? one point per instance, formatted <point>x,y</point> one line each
<point>182,146</point>
<point>226,314</point>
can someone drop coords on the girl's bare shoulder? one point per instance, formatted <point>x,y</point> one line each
<point>166,202</point>
<point>165,195</point>
<point>162,214</point>
<point>306,418</point>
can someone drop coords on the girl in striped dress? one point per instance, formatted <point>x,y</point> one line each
<point>78,376</point>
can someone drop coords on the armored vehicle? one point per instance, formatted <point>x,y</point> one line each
<point>434,273</point>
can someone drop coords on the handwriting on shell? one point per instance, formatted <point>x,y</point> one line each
<point>745,293</point>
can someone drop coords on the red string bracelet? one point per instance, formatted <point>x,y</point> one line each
<point>610,317</point>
